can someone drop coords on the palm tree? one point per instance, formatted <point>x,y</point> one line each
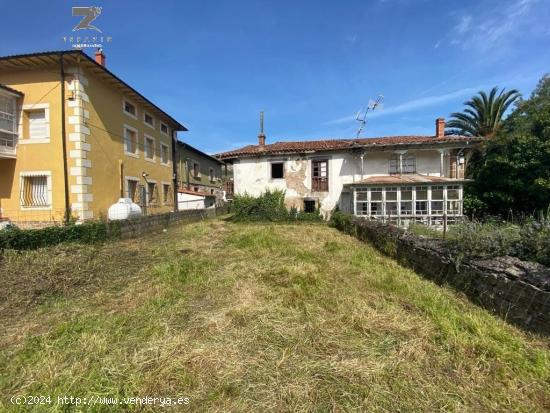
<point>483,114</point>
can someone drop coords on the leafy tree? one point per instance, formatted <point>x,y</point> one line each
<point>513,173</point>
<point>483,113</point>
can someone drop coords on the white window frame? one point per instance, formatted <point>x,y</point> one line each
<point>145,138</point>
<point>145,114</point>
<point>48,175</point>
<point>162,144</point>
<point>124,101</point>
<point>27,140</point>
<point>132,154</point>
<point>167,133</point>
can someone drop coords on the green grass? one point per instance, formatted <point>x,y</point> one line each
<point>255,317</point>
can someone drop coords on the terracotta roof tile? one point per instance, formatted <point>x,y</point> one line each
<point>336,144</point>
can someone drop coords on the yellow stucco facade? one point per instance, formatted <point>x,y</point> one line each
<point>100,112</point>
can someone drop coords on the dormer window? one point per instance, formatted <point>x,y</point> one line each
<point>148,119</point>
<point>129,108</point>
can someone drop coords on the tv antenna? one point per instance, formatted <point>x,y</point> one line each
<point>361,116</point>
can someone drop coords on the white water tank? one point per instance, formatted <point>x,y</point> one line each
<point>123,209</point>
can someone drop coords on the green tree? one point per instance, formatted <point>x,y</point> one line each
<point>483,113</point>
<point>513,173</point>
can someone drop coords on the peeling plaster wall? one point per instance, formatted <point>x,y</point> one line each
<point>253,175</point>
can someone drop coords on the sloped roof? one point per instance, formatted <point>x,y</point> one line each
<point>342,144</point>
<point>76,56</point>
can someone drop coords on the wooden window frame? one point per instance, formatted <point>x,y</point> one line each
<point>319,183</point>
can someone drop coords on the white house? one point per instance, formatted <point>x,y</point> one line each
<point>395,178</point>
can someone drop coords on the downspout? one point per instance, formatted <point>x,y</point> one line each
<point>64,141</point>
<point>175,170</point>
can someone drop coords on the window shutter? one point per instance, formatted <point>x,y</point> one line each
<point>37,124</point>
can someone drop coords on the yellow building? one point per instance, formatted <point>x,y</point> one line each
<point>74,138</point>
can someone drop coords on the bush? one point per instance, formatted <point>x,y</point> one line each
<point>269,206</point>
<point>341,221</point>
<point>19,239</point>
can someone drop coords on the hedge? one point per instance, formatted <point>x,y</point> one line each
<point>89,233</point>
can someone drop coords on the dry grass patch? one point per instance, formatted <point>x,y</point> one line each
<point>252,317</point>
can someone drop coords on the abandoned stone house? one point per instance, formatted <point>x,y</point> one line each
<point>397,178</point>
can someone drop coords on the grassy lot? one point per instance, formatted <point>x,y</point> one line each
<point>250,317</point>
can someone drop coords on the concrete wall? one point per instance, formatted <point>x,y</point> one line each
<point>253,175</point>
<point>516,290</point>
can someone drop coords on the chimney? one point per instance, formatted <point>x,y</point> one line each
<point>439,127</point>
<point>100,57</point>
<point>261,135</point>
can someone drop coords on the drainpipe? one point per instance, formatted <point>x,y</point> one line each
<point>362,164</point>
<point>175,170</point>
<point>64,140</point>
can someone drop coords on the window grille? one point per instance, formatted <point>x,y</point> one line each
<point>34,191</point>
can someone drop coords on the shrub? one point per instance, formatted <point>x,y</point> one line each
<point>341,221</point>
<point>19,239</point>
<point>269,206</point>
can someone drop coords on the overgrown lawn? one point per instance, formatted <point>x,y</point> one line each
<point>253,317</point>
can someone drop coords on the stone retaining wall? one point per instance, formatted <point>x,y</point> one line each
<point>516,290</point>
<point>134,227</point>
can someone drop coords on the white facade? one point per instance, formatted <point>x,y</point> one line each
<point>353,174</point>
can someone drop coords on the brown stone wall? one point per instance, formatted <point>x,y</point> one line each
<point>516,290</point>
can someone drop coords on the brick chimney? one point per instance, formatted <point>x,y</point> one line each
<point>100,57</point>
<point>439,127</point>
<point>261,135</point>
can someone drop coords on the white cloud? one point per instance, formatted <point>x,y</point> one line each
<point>411,105</point>
<point>493,27</point>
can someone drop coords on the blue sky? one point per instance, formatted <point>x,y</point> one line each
<point>310,65</point>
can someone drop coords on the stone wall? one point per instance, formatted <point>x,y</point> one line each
<point>516,290</point>
<point>137,226</point>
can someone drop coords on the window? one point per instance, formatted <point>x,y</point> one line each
<point>309,205</point>
<point>152,194</point>
<point>35,191</point>
<point>319,176</point>
<point>421,200</point>
<point>132,189</point>
<point>211,174</point>
<point>164,128</point>
<point>422,207</point>
<point>195,189</point>
<point>166,194</point>
<point>130,141</point>
<point>164,158</point>
<point>148,119</point>
<point>149,148</point>
<point>437,200</point>
<point>406,200</point>
<point>407,166</point>
<point>196,170</point>
<point>391,201</point>
<point>277,170</point>
<point>376,201</point>
<point>129,108</point>
<point>8,124</point>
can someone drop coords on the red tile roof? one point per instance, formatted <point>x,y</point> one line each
<point>405,179</point>
<point>340,144</point>
<point>191,192</point>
